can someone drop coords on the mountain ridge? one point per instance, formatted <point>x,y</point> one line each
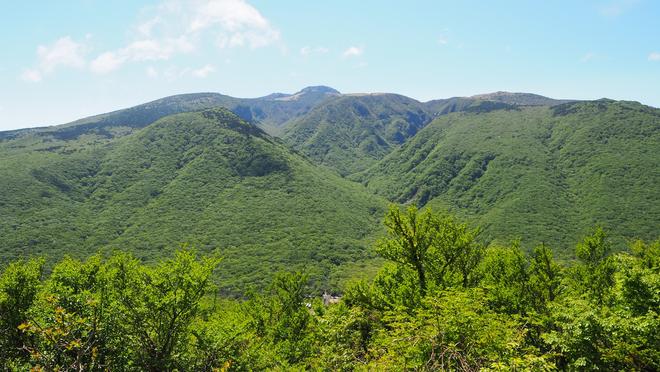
<point>187,168</point>
<point>215,99</point>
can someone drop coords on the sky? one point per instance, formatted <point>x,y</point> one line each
<point>64,60</point>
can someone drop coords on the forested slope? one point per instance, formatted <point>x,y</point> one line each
<point>206,178</point>
<point>545,174</point>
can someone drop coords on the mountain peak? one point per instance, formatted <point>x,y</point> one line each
<point>313,93</point>
<point>318,89</point>
<point>520,99</point>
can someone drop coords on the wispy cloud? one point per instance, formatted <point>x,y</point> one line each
<point>442,40</point>
<point>141,50</point>
<point>174,27</point>
<point>308,50</point>
<point>64,52</point>
<point>654,56</point>
<point>178,27</point>
<point>588,57</point>
<point>107,62</point>
<point>203,72</point>
<point>615,8</point>
<point>353,51</point>
<point>172,73</point>
<point>151,72</point>
<point>236,23</point>
<point>32,75</point>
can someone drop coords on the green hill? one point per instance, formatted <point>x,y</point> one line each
<point>351,132</point>
<point>546,174</point>
<point>180,169</point>
<point>207,178</point>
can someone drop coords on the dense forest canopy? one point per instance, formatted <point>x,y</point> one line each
<point>502,267</point>
<point>442,300</point>
<point>208,170</point>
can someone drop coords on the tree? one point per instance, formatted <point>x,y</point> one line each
<point>595,272</point>
<point>440,250</point>
<point>282,317</point>
<point>505,273</point>
<point>545,275</point>
<point>158,305</point>
<point>71,321</point>
<point>411,235</point>
<point>641,277</point>
<point>19,284</point>
<point>456,253</point>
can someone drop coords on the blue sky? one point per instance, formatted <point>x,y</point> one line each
<point>63,60</point>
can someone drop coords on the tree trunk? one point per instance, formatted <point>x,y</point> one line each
<point>422,278</point>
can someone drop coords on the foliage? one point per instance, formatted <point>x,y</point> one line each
<point>516,312</point>
<point>19,285</point>
<point>439,248</point>
<point>446,297</point>
<point>352,132</point>
<point>543,174</point>
<point>147,178</point>
<point>207,178</point>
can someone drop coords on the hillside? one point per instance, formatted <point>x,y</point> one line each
<point>149,177</point>
<point>352,132</point>
<point>206,178</point>
<point>544,174</point>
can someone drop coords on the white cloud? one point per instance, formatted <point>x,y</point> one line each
<point>654,56</point>
<point>64,52</point>
<point>353,51</point>
<point>144,29</point>
<point>203,71</point>
<point>442,40</point>
<point>236,22</point>
<point>141,50</point>
<point>107,62</point>
<point>153,49</point>
<point>179,26</point>
<point>174,27</point>
<point>152,72</point>
<point>31,75</point>
<point>308,50</point>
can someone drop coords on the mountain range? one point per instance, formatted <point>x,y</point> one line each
<point>303,179</point>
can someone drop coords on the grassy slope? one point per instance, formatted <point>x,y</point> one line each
<point>205,178</point>
<point>544,174</point>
